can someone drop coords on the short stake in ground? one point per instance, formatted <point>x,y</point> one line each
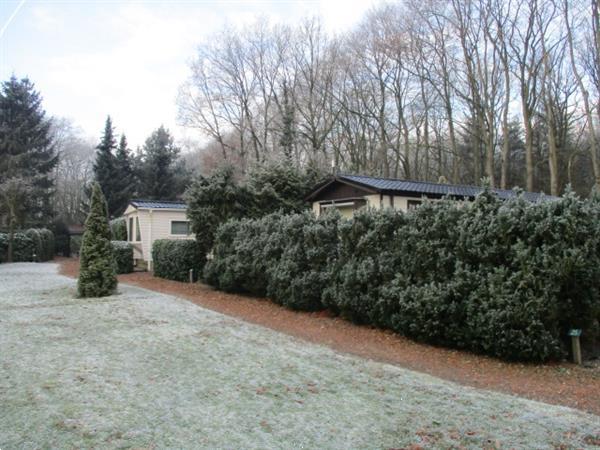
<point>576,345</point>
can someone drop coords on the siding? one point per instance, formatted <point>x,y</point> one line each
<point>155,224</point>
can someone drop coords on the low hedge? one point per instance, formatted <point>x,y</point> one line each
<point>44,243</point>
<point>173,259</point>
<point>503,278</point>
<point>34,244</point>
<point>123,252</point>
<point>23,247</point>
<point>118,229</point>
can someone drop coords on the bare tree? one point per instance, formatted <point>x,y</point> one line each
<point>585,93</point>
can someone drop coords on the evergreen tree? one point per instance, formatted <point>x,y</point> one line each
<point>105,172</point>
<point>279,187</point>
<point>124,185</point>
<point>212,201</point>
<point>26,149</point>
<point>161,173</point>
<point>97,269</point>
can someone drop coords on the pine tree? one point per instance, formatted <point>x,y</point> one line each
<point>124,184</point>
<point>26,149</point>
<point>97,269</point>
<point>160,172</point>
<point>105,172</point>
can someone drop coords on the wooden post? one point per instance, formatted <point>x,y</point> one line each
<point>191,275</point>
<point>576,346</point>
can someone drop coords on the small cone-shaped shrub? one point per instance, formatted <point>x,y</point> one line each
<point>97,267</point>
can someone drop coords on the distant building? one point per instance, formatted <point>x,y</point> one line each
<point>347,193</point>
<point>149,220</point>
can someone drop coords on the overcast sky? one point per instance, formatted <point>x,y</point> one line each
<point>127,59</point>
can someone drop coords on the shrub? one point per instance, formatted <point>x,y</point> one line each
<point>308,246</point>
<point>118,229</point>
<point>282,256</point>
<point>97,277</point>
<point>43,240</point>
<point>23,247</point>
<point>173,259</point>
<point>367,260</point>
<point>123,252</point>
<point>242,255</point>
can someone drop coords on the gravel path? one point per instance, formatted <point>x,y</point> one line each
<point>142,369</point>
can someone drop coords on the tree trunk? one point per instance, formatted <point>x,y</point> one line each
<point>552,153</point>
<point>505,134</point>
<point>528,147</point>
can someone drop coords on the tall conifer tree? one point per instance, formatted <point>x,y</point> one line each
<point>105,172</point>
<point>125,183</point>
<point>162,175</point>
<point>26,149</point>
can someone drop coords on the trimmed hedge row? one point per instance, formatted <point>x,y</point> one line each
<point>284,257</point>
<point>123,252</point>
<point>34,244</point>
<point>173,259</point>
<point>23,247</point>
<point>44,243</point>
<point>507,279</point>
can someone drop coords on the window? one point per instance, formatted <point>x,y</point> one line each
<point>412,204</point>
<point>180,227</point>
<point>138,236</point>
<point>130,230</point>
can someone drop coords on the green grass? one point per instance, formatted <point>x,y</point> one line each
<point>141,369</point>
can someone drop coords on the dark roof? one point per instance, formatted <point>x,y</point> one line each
<point>159,204</point>
<point>399,187</point>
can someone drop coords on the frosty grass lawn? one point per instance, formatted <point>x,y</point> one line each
<point>141,369</point>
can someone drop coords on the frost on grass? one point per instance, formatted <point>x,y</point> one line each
<point>141,369</point>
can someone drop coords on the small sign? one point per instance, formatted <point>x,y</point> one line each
<point>574,332</point>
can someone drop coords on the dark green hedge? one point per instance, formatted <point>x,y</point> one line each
<point>44,243</point>
<point>123,252</point>
<point>284,257</point>
<point>173,259</point>
<point>34,244</point>
<point>308,246</point>
<point>23,247</point>
<point>507,279</point>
